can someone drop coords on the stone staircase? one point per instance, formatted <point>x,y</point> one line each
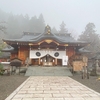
<point>48,71</point>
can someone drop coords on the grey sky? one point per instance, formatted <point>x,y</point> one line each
<point>75,13</point>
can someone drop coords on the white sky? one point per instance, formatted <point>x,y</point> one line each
<point>75,13</point>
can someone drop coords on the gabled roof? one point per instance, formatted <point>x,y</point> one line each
<point>8,48</point>
<point>83,50</point>
<point>5,55</point>
<point>37,37</point>
<point>30,37</point>
<point>95,56</point>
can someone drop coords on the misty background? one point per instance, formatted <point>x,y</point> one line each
<point>78,17</point>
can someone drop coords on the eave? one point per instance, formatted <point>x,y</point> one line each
<point>9,42</point>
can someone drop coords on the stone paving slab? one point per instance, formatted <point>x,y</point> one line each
<point>53,88</point>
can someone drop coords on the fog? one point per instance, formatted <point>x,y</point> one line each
<point>75,13</point>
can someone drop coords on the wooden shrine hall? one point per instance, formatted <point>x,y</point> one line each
<point>45,48</point>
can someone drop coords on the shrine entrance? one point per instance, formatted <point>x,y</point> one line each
<point>47,57</point>
<point>47,61</point>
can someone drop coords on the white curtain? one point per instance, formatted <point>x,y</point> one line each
<point>45,52</point>
<point>65,60</point>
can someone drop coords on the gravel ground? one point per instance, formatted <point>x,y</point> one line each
<point>9,83</point>
<point>92,82</point>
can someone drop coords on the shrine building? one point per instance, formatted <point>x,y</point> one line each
<point>45,48</point>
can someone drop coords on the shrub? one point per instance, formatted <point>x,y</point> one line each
<point>1,69</point>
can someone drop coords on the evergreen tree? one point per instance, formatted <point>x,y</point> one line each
<point>13,27</point>
<point>54,30</point>
<point>33,24</point>
<point>41,23</point>
<point>20,20</point>
<point>2,34</point>
<point>90,36</point>
<point>26,23</point>
<point>88,33</point>
<point>2,27</point>
<point>63,28</point>
<point>37,24</point>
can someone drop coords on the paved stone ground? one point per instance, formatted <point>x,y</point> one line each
<point>48,71</point>
<point>53,88</point>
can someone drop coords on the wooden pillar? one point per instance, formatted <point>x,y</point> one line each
<point>53,62</point>
<point>19,51</point>
<point>56,61</point>
<point>39,61</point>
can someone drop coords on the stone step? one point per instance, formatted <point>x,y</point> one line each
<point>48,71</point>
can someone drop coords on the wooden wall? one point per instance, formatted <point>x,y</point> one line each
<point>70,51</point>
<point>23,53</point>
<point>14,55</point>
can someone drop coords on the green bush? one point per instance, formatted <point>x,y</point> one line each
<point>1,69</point>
